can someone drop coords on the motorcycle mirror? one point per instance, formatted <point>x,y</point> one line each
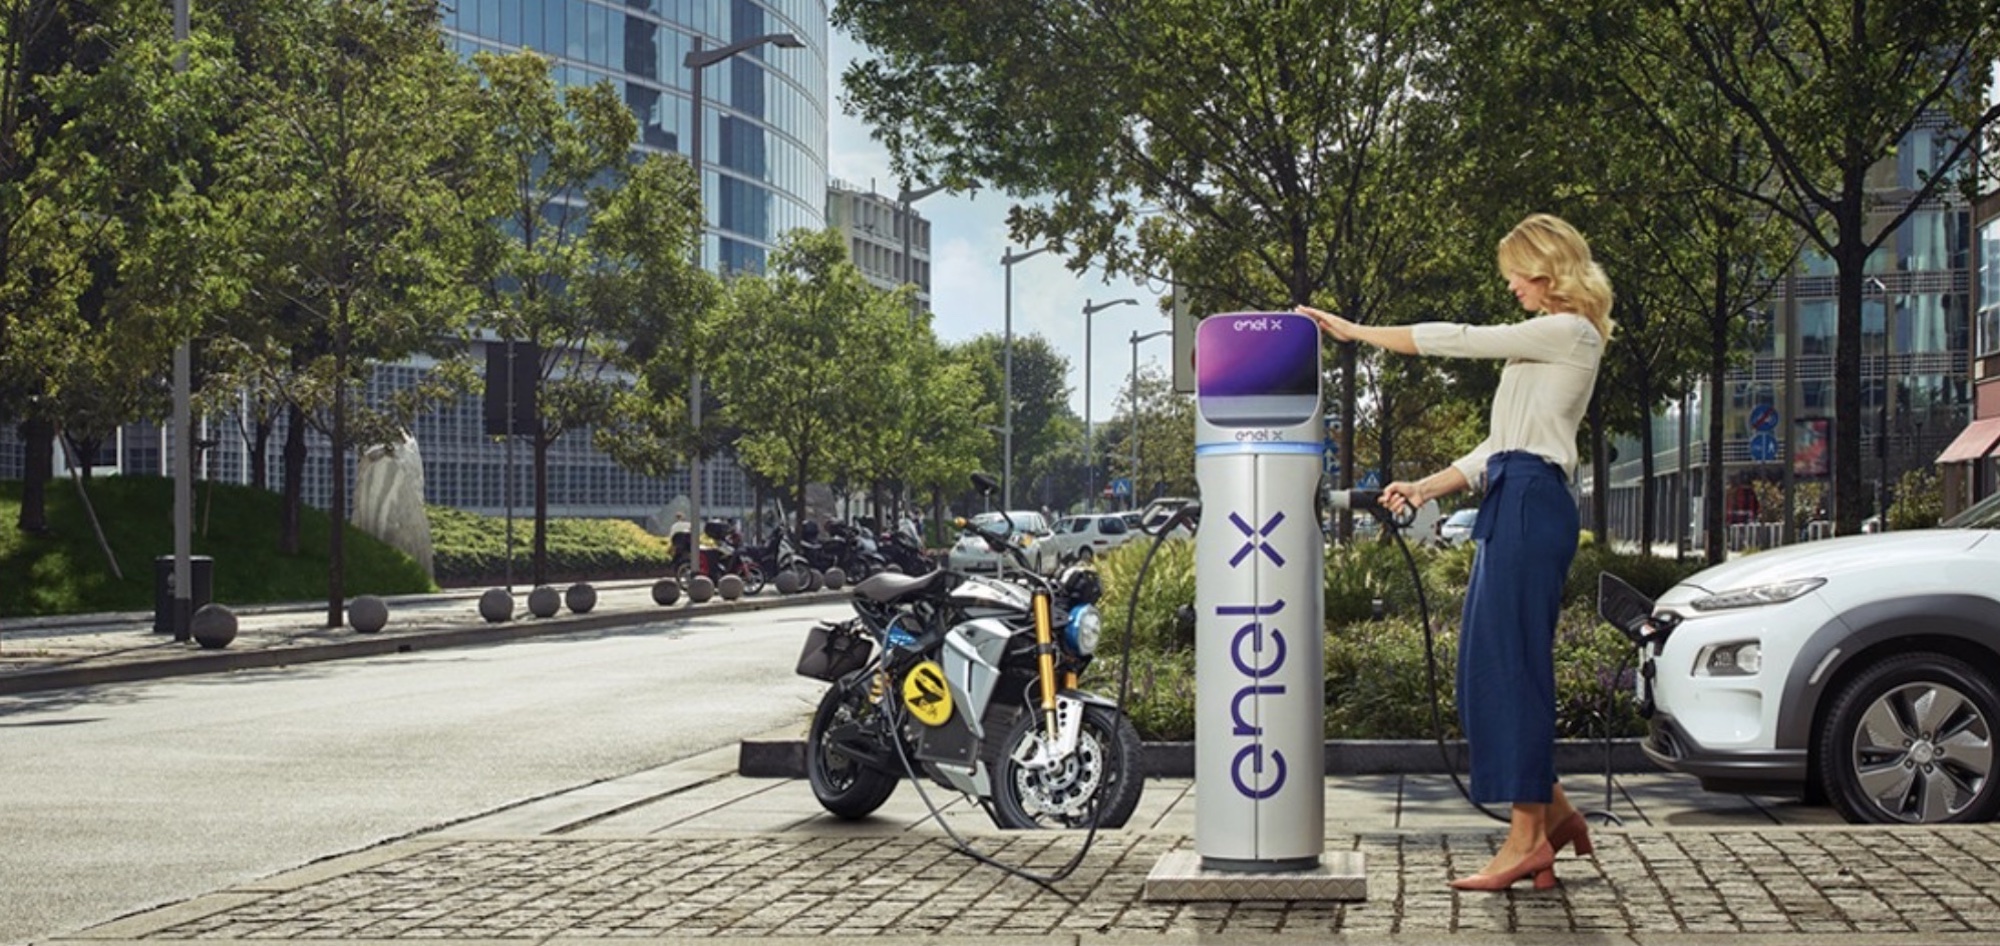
<point>985,484</point>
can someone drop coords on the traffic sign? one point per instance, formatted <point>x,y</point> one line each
<point>1763,447</point>
<point>1763,418</point>
<point>1121,486</point>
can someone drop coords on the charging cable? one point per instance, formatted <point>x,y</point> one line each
<point>1370,501</point>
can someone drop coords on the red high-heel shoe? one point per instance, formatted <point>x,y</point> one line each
<point>1540,865</point>
<point>1574,832</point>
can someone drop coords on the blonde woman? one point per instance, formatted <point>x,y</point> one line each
<point>1526,529</point>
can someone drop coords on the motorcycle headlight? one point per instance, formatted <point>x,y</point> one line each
<point>1757,596</point>
<point>1085,626</point>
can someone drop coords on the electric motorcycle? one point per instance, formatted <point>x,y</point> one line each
<point>971,681</point>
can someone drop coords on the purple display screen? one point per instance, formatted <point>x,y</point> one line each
<point>1257,369</point>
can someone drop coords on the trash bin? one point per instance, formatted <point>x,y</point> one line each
<point>201,571</point>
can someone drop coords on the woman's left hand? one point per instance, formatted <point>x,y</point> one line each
<point>1341,329</point>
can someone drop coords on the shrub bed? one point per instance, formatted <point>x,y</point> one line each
<point>470,549</point>
<point>1376,675</point>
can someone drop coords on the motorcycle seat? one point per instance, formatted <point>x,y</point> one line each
<point>888,587</point>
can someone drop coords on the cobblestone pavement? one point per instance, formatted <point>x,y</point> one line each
<point>693,851</point>
<point>1810,883</point>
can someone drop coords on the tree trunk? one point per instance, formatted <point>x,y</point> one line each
<point>1647,535</point>
<point>542,445</point>
<point>260,446</point>
<point>1716,549</point>
<point>37,468</point>
<point>295,476</point>
<point>1600,471</point>
<point>1851,262</point>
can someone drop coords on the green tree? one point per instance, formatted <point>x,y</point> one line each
<point>354,178</point>
<point>554,147</point>
<point>1267,155</point>
<point>801,390</point>
<point>1831,89</point>
<point>644,237</point>
<point>1043,422</point>
<point>1165,449</point>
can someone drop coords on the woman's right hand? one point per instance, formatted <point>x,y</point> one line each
<point>1341,329</point>
<point>1402,495</point>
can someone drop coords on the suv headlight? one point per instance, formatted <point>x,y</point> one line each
<point>1758,596</point>
<point>1734,659</point>
<point>1085,626</point>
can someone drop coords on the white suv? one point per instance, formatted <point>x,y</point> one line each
<point>1084,538</point>
<point>1865,669</point>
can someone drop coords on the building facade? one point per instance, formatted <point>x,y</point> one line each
<point>1917,367</point>
<point>764,140</point>
<point>889,242</point>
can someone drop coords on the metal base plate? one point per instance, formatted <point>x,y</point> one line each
<point>1179,876</point>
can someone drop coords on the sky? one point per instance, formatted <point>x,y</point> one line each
<point>968,288</point>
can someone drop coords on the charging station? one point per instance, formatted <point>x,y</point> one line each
<point>1260,749</point>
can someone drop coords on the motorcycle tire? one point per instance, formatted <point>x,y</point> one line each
<point>753,578</point>
<point>845,787</point>
<point>1106,764</point>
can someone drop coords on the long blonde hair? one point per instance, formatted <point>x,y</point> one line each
<point>1545,246</point>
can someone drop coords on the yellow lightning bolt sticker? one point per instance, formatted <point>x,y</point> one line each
<point>924,694</point>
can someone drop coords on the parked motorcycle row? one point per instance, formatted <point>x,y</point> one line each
<point>971,682</point>
<point>794,564</point>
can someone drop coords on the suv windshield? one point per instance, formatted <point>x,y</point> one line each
<point>1984,514</point>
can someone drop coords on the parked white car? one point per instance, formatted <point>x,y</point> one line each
<point>1024,527</point>
<point>1456,529</point>
<point>1084,538</point>
<point>1863,669</point>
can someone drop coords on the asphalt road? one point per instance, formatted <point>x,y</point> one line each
<point>119,798</point>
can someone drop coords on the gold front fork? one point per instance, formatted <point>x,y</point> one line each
<point>1045,641</point>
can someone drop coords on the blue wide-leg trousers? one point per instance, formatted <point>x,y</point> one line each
<point>1527,534</point>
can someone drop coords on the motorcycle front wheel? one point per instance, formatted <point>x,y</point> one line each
<point>846,787</point>
<point>1102,776</point>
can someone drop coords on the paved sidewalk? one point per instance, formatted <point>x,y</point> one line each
<point>87,650</point>
<point>695,851</point>
<point>692,851</point>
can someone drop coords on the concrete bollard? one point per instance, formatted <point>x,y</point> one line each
<point>580,597</point>
<point>700,588</point>
<point>730,587</point>
<point>368,614</point>
<point>666,591</point>
<point>543,602</point>
<point>496,605</point>
<point>213,626</point>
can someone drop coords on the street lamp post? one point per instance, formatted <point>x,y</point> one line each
<point>1007,261</point>
<point>1089,435</point>
<point>1136,339</point>
<point>905,198</point>
<point>697,60</point>
<point>182,617</point>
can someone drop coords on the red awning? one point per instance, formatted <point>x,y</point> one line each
<point>1975,441</point>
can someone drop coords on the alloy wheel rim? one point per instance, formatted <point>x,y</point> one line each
<point>1923,753</point>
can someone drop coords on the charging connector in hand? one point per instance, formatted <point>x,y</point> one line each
<point>1370,501</point>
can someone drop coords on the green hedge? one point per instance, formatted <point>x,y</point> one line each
<point>1376,675</point>
<point>471,549</point>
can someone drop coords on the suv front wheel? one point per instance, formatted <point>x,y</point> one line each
<point>1910,741</point>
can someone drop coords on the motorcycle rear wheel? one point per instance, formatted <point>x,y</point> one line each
<point>845,787</point>
<point>1105,766</point>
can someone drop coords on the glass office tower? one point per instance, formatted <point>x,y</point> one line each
<point>764,110</point>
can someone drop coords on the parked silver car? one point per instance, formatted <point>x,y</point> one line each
<point>1029,530</point>
<point>1456,529</point>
